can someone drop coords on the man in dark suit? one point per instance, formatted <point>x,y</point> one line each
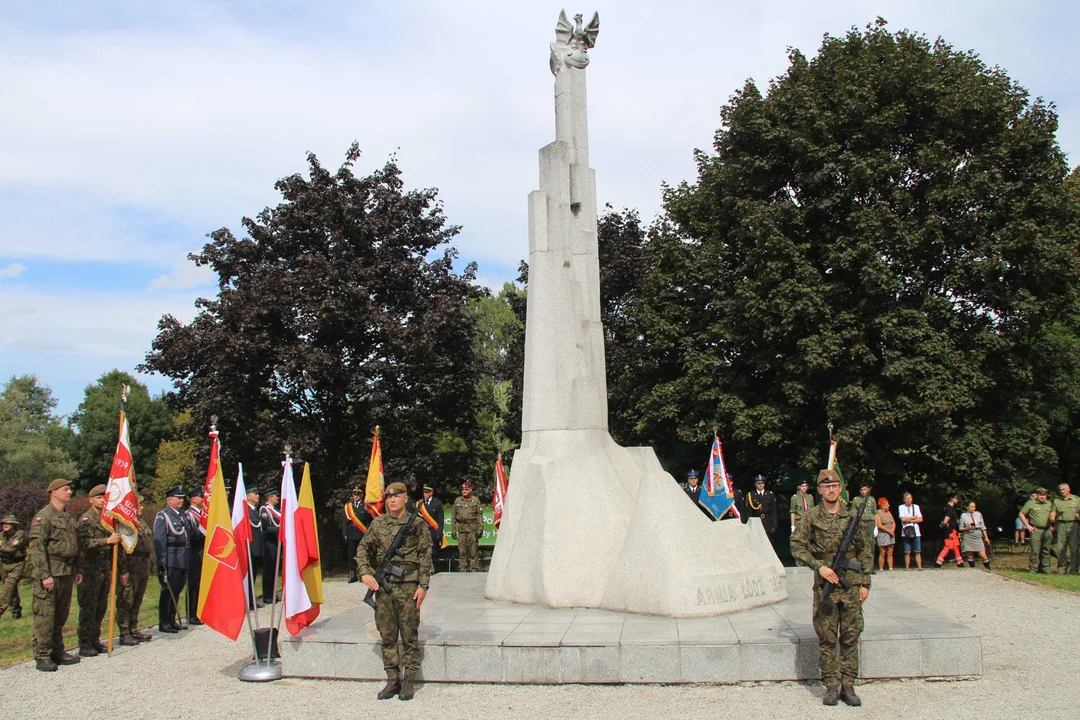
<point>256,544</point>
<point>761,503</point>
<point>357,520</point>
<point>693,491</point>
<point>434,508</point>
<point>195,517</point>
<point>270,517</point>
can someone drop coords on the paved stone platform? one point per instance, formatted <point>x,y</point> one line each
<point>467,638</point>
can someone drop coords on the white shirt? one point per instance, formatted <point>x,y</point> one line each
<point>913,511</point>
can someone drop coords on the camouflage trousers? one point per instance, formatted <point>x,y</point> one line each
<point>50,613</point>
<point>842,625</point>
<point>396,615</point>
<point>1067,542</point>
<point>468,551</point>
<point>10,575</point>
<point>1039,550</point>
<point>93,603</point>
<point>129,598</point>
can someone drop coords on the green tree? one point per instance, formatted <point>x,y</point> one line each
<point>32,439</point>
<point>176,459</point>
<point>340,310</point>
<point>881,242</point>
<point>97,421</point>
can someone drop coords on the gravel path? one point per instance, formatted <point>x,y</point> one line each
<point>193,675</point>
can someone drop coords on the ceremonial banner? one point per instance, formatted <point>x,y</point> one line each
<point>501,483</point>
<point>302,583</point>
<point>222,603</point>
<point>719,496</point>
<point>213,471</point>
<point>121,510</point>
<point>352,517</point>
<point>373,491</point>
<point>834,465</point>
<point>432,523</point>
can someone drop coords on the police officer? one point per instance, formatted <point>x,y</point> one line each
<point>96,543</point>
<point>55,568</point>
<point>761,503</point>
<point>270,517</point>
<point>397,613</point>
<point>129,601</point>
<point>195,516</point>
<point>468,517</point>
<point>815,541</point>
<point>256,543</point>
<point>1037,516</point>
<point>435,510</point>
<point>355,524</point>
<point>171,546</point>
<point>12,562</point>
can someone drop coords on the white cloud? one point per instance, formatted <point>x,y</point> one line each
<point>185,275</point>
<point>13,270</point>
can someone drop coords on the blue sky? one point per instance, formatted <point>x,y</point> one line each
<point>129,130</point>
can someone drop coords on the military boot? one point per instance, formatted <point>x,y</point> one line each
<point>393,685</point>
<point>847,694</point>
<point>832,695</point>
<point>140,636</point>
<point>408,690</point>
<point>16,614</point>
<point>100,646</point>
<point>128,640</point>
<point>88,651</point>
<point>46,665</point>
<point>65,658</point>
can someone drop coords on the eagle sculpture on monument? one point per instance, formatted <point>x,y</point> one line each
<point>572,42</point>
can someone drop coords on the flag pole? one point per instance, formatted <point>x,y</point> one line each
<point>124,390</point>
<point>277,573</point>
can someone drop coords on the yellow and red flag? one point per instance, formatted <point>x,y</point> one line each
<point>302,585</point>
<point>121,511</point>
<point>222,600</point>
<point>213,471</point>
<point>373,491</point>
<point>501,484</point>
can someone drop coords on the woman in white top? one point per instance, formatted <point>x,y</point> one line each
<point>910,519</point>
<point>973,536</point>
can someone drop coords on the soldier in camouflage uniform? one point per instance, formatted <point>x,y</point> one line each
<point>399,612</point>
<point>140,565</point>
<point>96,543</point>
<point>816,540</point>
<point>468,516</point>
<point>864,496</point>
<point>12,562</point>
<point>54,567</point>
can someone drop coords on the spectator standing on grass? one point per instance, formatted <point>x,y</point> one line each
<point>1020,535</point>
<point>974,536</point>
<point>1038,516</point>
<point>910,519</point>
<point>950,524</point>
<point>1066,535</point>
<point>886,533</point>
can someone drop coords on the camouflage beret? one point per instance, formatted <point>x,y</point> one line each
<point>58,483</point>
<point>827,476</point>
<point>10,520</point>
<point>396,488</point>
<point>97,491</point>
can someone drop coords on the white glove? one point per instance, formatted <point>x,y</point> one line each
<point>792,528</point>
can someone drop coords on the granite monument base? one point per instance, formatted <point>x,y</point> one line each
<point>467,638</point>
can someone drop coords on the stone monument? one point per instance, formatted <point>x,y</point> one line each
<point>589,523</point>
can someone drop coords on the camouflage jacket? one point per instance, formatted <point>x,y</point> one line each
<point>144,547</point>
<point>868,513</point>
<point>96,552</point>
<point>468,515</point>
<point>54,544</point>
<point>414,557</point>
<point>13,548</point>
<point>818,535</point>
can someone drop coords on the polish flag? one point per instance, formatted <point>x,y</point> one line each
<point>302,583</point>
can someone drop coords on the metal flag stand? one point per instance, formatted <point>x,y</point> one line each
<point>266,669</point>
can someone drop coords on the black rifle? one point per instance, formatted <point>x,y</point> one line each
<point>387,567</point>
<point>840,562</point>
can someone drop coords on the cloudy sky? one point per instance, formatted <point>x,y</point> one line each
<point>131,129</point>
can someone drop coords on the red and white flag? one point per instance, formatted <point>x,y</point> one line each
<point>302,580</point>
<point>121,511</point>
<point>501,484</point>
<point>242,529</point>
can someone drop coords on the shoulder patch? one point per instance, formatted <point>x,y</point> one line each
<point>37,519</point>
<point>85,519</point>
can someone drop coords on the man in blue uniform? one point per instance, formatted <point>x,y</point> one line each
<point>196,519</point>
<point>171,547</point>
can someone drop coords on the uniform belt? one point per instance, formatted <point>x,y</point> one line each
<point>829,556</point>
<point>176,545</point>
<point>1065,521</point>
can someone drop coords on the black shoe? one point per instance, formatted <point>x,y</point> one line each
<point>88,651</point>
<point>101,647</point>
<point>259,604</point>
<point>17,613</point>
<point>65,658</point>
<point>140,636</point>
<point>353,579</point>
<point>832,695</point>
<point>46,665</point>
<point>195,621</point>
<point>168,629</point>
<point>938,564</point>
<point>847,694</point>
<point>390,690</point>
<point>128,640</point>
<point>408,690</point>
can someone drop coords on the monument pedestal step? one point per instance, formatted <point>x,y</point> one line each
<point>467,638</point>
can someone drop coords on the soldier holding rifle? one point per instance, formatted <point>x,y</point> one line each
<point>838,617</point>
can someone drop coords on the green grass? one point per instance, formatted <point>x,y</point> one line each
<point>15,635</point>
<point>1012,562</point>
